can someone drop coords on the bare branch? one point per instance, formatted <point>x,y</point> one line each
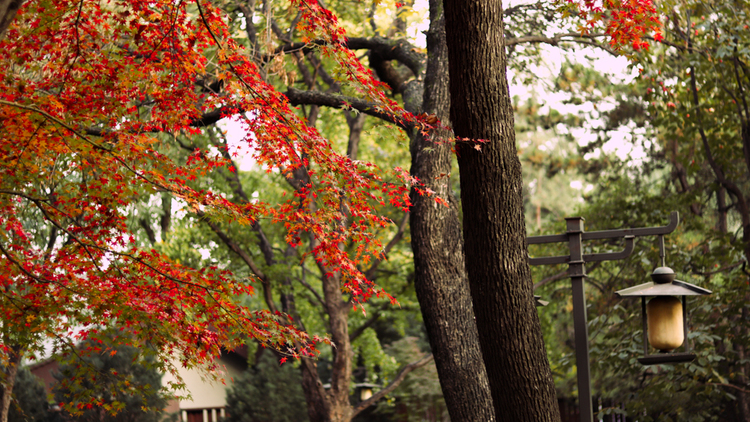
<point>234,247</point>
<point>729,386</point>
<point>361,329</point>
<point>720,270</point>
<point>400,50</point>
<point>572,37</point>
<point>312,290</point>
<point>298,97</point>
<point>718,171</point>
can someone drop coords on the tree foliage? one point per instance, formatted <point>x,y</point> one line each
<point>127,383</point>
<point>685,113</point>
<point>96,96</point>
<point>267,391</point>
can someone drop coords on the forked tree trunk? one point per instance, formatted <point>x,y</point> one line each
<point>440,275</point>
<point>493,221</point>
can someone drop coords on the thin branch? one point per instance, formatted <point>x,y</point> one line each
<point>370,321</point>
<point>717,169</point>
<point>729,386</point>
<point>87,140</point>
<point>307,285</point>
<point>740,86</point>
<point>400,50</point>
<point>21,267</point>
<point>550,279</point>
<point>720,270</point>
<point>234,247</point>
<point>555,40</point>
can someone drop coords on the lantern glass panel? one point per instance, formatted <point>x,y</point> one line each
<point>665,323</point>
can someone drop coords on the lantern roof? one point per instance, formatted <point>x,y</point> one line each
<point>664,284</point>
<point>675,288</point>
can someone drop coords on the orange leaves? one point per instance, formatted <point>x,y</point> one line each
<point>90,129</point>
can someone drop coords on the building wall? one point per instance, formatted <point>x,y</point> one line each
<point>44,370</point>
<point>207,394</point>
<point>208,398</point>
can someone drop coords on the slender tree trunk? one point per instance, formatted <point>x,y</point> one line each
<point>494,229</point>
<point>440,275</point>
<point>338,311</point>
<point>9,380</point>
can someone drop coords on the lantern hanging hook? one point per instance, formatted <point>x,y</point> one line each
<point>661,250</point>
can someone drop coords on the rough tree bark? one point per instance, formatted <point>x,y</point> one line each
<point>440,275</point>
<point>494,229</point>
<point>10,371</point>
<point>8,9</point>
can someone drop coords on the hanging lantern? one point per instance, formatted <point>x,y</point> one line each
<point>664,316</point>
<point>365,390</point>
<point>539,302</point>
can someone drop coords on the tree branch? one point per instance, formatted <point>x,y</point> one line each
<point>729,386</point>
<point>550,279</point>
<point>400,50</point>
<point>715,166</point>
<point>361,329</point>
<point>555,40</point>
<point>234,247</point>
<point>297,97</point>
<point>392,386</point>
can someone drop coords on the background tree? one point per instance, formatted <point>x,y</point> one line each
<point>267,391</point>
<point>127,383</point>
<point>419,398</point>
<point>691,157</point>
<point>29,402</point>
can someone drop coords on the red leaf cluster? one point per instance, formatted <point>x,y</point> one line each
<point>625,21</point>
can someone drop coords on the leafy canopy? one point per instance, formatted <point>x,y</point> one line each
<point>91,93</point>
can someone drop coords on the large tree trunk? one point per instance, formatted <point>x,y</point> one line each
<point>440,275</point>
<point>494,231</point>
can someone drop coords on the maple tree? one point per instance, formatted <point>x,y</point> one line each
<point>88,89</point>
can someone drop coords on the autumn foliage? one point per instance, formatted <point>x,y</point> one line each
<point>91,92</point>
<point>626,22</point>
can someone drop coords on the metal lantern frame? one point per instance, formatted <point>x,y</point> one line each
<point>664,284</point>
